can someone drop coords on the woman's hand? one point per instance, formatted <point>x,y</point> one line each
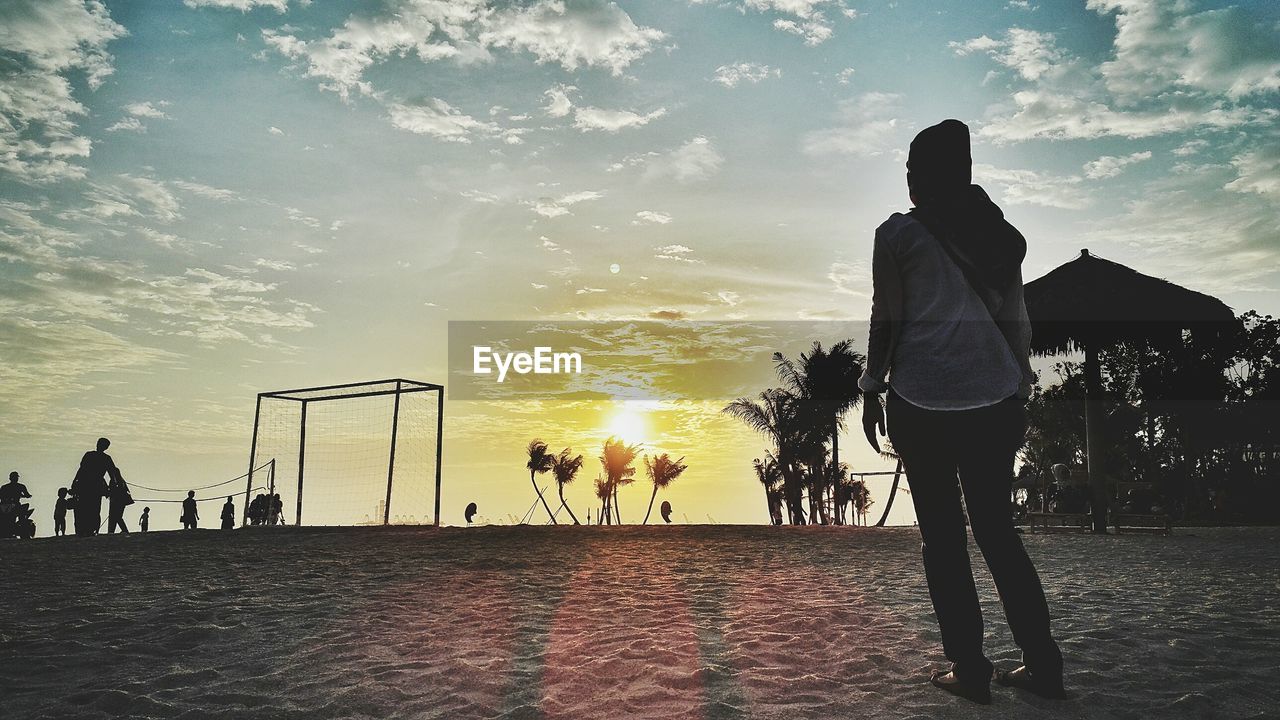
<point>872,419</point>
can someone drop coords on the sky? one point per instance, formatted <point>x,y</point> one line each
<point>203,200</point>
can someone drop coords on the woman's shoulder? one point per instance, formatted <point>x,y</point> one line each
<point>899,227</point>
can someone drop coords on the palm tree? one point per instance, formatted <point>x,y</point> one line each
<point>769,476</point>
<point>893,491</point>
<point>602,494</point>
<point>862,501</point>
<point>565,468</point>
<point>783,417</point>
<point>616,459</point>
<point>662,470</point>
<point>539,462</point>
<point>826,381</point>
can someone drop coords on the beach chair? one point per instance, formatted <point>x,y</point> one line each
<point>1060,521</point>
<point>1148,522</point>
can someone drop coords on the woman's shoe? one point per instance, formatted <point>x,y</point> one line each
<point>1022,678</point>
<point>949,681</point>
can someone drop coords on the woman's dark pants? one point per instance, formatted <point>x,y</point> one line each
<point>978,447</point>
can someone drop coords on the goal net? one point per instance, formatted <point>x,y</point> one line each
<point>354,454</point>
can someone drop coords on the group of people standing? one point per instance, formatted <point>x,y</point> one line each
<point>265,510</point>
<point>99,478</point>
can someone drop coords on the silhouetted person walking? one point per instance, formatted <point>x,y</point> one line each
<point>190,515</point>
<point>89,487</point>
<point>60,513</point>
<point>229,514</point>
<point>118,498</point>
<point>144,520</point>
<point>950,330</point>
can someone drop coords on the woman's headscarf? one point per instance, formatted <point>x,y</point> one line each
<point>971,228</point>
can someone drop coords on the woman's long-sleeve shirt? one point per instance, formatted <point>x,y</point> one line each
<point>932,338</point>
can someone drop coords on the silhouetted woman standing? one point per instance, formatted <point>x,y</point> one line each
<point>89,487</point>
<point>190,514</point>
<point>949,329</point>
<point>229,514</point>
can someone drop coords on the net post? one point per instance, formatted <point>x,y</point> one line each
<point>391,462</point>
<point>439,444</point>
<point>302,456</point>
<point>253,451</point>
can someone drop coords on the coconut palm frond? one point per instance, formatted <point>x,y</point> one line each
<point>565,466</point>
<point>662,469</point>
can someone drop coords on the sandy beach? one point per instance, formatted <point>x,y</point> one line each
<point>631,622</point>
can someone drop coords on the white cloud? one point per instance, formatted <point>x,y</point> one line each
<point>814,32</point>
<point>130,195</point>
<point>650,217</point>
<point>1190,147</point>
<point>865,127</point>
<point>205,191</point>
<point>479,196</point>
<point>693,161</point>
<point>1061,114</point>
<point>275,130</point>
<point>1166,226</point>
<point>588,119</point>
<point>1161,45</point>
<point>1171,70</point>
<point>128,124</point>
<point>242,5</point>
<point>1109,166</point>
<point>1030,53</point>
<point>75,316</point>
<point>279,265</point>
<point>850,278</point>
<point>147,110</point>
<point>558,102</point>
<point>1028,187</point>
<point>165,240</point>
<point>732,75</point>
<point>1258,171</point>
<point>549,207</point>
<point>552,246</point>
<point>591,33</point>
<point>594,33</point>
<point>45,43</point>
<point>844,76</point>
<point>135,113</point>
<point>439,119</point>
<point>806,18</point>
<point>678,253</point>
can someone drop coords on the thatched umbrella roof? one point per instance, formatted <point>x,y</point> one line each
<point>1092,302</point>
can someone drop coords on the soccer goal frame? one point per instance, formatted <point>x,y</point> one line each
<point>349,391</point>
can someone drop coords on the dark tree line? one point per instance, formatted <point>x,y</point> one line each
<point>1200,419</point>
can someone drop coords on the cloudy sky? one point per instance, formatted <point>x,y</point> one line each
<point>202,200</point>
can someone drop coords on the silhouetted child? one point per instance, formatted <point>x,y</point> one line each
<point>145,520</point>
<point>60,513</point>
<point>277,510</point>
<point>229,515</point>
<point>190,516</point>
